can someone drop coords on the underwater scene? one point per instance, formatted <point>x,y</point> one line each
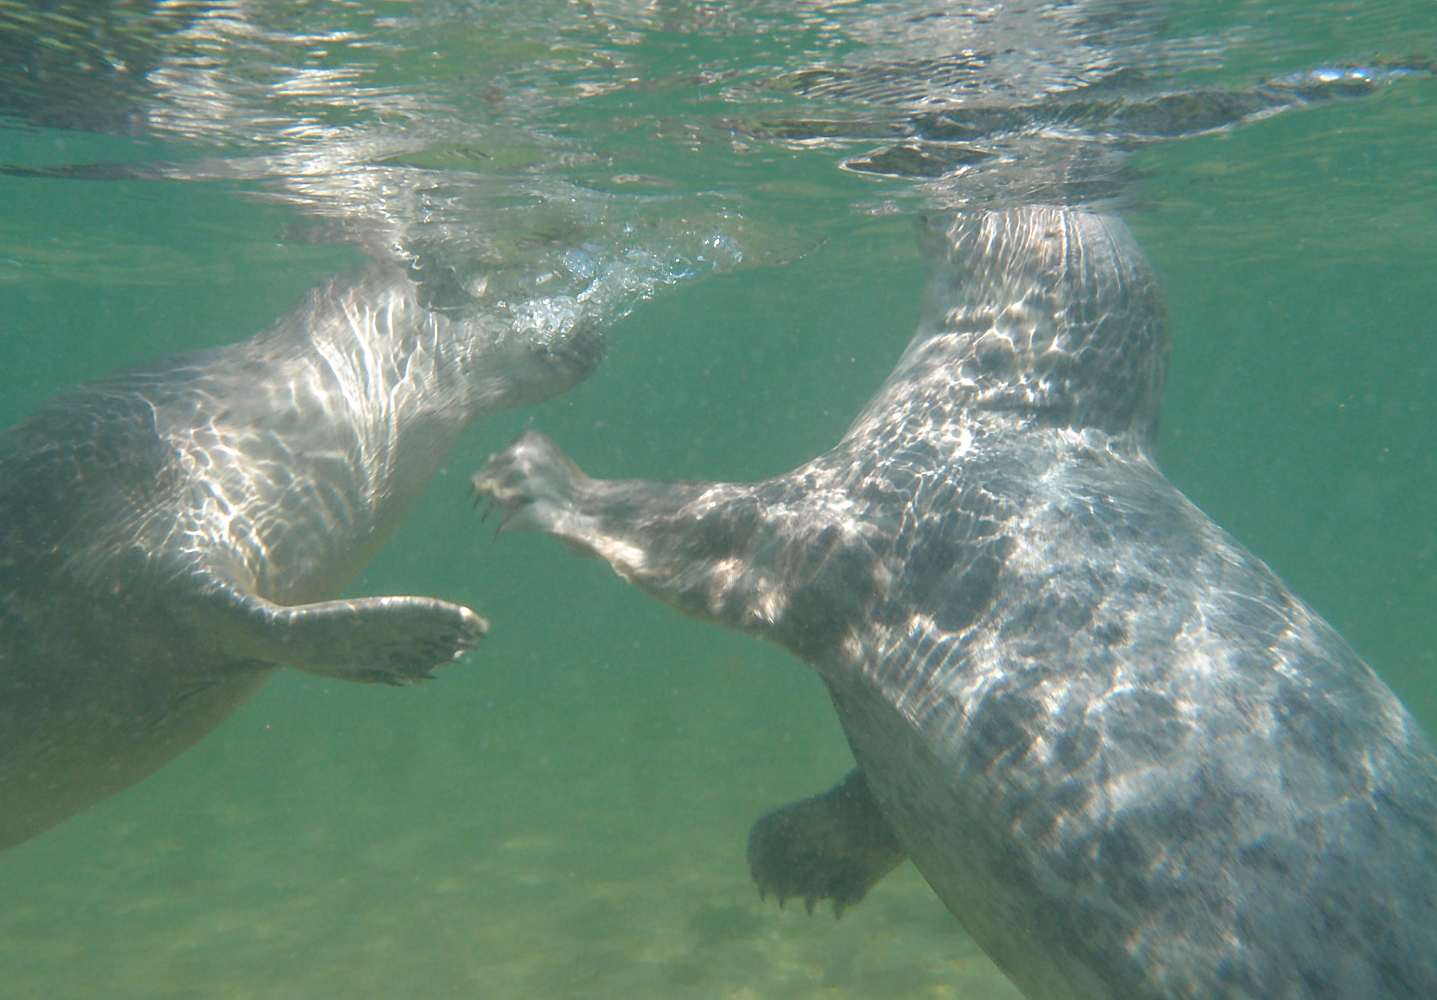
<point>722,199</point>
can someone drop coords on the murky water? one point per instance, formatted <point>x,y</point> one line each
<point>563,814</point>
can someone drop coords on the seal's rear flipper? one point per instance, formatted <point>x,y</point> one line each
<point>836,846</point>
<point>373,640</point>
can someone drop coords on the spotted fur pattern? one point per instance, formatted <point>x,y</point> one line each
<point>1121,751</point>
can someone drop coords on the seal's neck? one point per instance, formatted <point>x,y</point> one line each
<point>1037,317</point>
<point>368,344</point>
<point>384,354</point>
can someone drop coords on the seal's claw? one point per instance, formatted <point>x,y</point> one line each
<point>532,483</point>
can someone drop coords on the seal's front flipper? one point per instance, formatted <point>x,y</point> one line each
<point>650,532</point>
<point>538,488</point>
<point>373,640</point>
<point>754,557</point>
<point>836,846</point>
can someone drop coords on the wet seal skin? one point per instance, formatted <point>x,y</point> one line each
<point>833,846</point>
<point>1120,750</point>
<point>172,534</point>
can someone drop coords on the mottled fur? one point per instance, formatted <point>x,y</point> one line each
<point>1128,759</point>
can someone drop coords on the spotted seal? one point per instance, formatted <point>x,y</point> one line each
<point>1122,752</point>
<point>171,534</point>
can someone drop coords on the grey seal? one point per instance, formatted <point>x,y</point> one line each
<point>172,534</point>
<point>1121,751</point>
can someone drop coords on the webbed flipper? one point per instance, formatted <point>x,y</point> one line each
<point>371,640</point>
<point>763,558</point>
<point>835,845</point>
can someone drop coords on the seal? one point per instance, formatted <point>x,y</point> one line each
<point>1122,752</point>
<point>172,534</point>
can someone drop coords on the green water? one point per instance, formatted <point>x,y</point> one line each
<point>563,814</point>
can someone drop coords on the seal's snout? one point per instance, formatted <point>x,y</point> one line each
<point>578,356</point>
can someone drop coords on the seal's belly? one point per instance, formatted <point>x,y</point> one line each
<point>971,869</point>
<point>1287,849</point>
<point>79,722</point>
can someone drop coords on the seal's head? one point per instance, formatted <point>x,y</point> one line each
<point>542,348</point>
<point>1050,315</point>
